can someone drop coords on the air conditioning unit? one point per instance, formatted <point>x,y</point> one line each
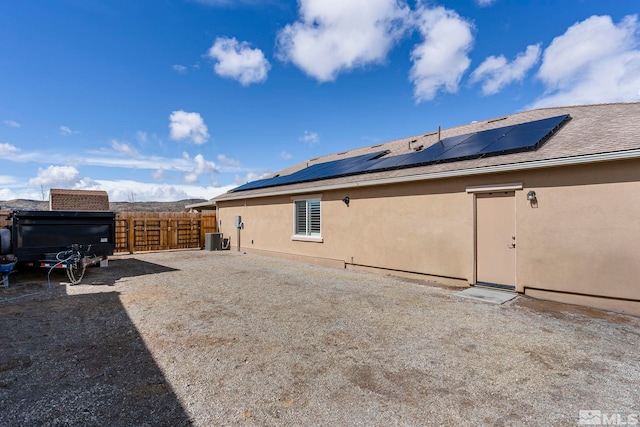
<point>213,241</point>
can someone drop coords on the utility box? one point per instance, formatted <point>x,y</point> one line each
<point>213,241</point>
<point>237,221</point>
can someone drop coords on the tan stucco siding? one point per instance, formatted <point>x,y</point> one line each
<point>268,223</point>
<point>584,234</point>
<point>418,227</point>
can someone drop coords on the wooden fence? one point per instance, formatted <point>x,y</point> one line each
<point>145,231</point>
<point>4,218</point>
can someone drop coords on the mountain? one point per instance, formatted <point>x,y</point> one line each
<point>35,205</point>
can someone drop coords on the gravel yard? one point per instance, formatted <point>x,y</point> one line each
<point>222,338</point>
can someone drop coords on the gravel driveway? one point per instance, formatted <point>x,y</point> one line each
<point>222,338</point>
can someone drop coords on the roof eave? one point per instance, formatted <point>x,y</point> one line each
<point>536,164</point>
<point>209,203</point>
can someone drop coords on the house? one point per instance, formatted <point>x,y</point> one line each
<point>78,200</point>
<point>207,206</point>
<point>543,202</point>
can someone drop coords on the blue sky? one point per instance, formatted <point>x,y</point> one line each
<point>172,99</point>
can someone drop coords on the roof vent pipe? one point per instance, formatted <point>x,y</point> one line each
<point>439,139</point>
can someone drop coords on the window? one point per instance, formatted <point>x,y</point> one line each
<point>307,218</point>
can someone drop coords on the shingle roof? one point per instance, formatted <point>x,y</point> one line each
<point>593,129</point>
<point>78,200</point>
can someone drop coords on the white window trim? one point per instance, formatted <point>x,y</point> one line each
<point>306,197</point>
<point>300,237</point>
<point>496,187</point>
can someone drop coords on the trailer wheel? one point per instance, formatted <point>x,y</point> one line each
<point>5,241</point>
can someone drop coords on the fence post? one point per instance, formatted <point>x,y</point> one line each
<point>131,234</point>
<point>202,230</point>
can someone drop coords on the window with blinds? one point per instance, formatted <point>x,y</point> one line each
<point>307,217</point>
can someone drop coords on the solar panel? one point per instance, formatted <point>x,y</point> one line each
<point>385,163</point>
<point>471,146</point>
<point>341,167</point>
<point>249,185</point>
<point>526,136</point>
<point>417,158</point>
<point>435,150</point>
<point>315,172</point>
<point>310,172</point>
<point>503,140</point>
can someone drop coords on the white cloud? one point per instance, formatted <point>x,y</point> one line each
<point>199,166</point>
<point>180,69</point>
<point>7,194</point>
<point>6,180</point>
<point>191,126</point>
<point>331,37</point>
<point>7,150</point>
<point>238,61</point>
<point>251,176</point>
<point>65,130</point>
<point>228,161</point>
<point>127,190</point>
<point>311,138</point>
<point>285,155</point>
<point>85,182</point>
<point>158,175</point>
<point>124,148</point>
<point>442,58</point>
<point>496,72</point>
<point>141,136</point>
<point>105,158</point>
<point>12,123</point>
<point>485,3</point>
<point>594,61</point>
<point>109,160</point>
<point>55,176</point>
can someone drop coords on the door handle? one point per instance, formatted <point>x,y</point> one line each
<point>513,243</point>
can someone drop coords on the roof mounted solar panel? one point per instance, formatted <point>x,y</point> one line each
<point>386,163</point>
<point>310,173</point>
<point>250,185</point>
<point>471,146</point>
<point>434,151</point>
<point>315,172</point>
<point>417,158</point>
<point>498,141</point>
<point>526,136</point>
<point>343,167</point>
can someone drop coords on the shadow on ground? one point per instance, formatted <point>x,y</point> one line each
<point>97,372</point>
<point>25,281</point>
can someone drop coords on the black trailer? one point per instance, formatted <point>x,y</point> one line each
<point>58,239</point>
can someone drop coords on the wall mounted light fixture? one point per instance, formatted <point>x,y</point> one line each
<point>346,200</point>
<point>531,196</point>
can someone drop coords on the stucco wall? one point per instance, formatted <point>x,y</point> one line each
<point>419,227</point>
<point>582,237</point>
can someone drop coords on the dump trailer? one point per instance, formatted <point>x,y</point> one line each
<point>58,239</point>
